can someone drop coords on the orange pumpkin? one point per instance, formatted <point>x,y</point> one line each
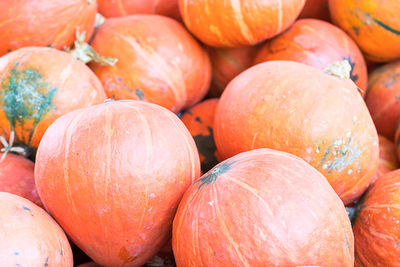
<point>226,64</point>
<point>238,23</point>
<point>292,107</point>
<point>38,85</point>
<point>29,236</point>
<point>373,24</point>
<point>158,61</point>
<point>120,8</point>
<point>44,23</point>
<point>120,176</point>
<point>17,177</point>
<point>376,229</point>
<point>383,98</point>
<point>317,9</point>
<point>279,209</point>
<point>316,43</point>
<point>199,120</point>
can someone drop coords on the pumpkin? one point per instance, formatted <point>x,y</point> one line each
<point>292,107</point>
<point>38,85</point>
<point>316,43</point>
<point>279,209</point>
<point>383,98</point>
<point>120,8</point>
<point>29,236</point>
<point>120,176</point>
<point>89,264</point>
<point>44,23</point>
<point>17,177</point>
<point>317,9</point>
<point>158,61</point>
<point>199,120</point>
<point>226,64</point>
<point>238,23</point>
<point>373,24</point>
<point>376,228</point>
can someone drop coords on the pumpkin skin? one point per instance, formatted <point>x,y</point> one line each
<point>29,236</point>
<point>292,107</point>
<point>373,24</point>
<point>142,162</point>
<point>383,98</point>
<point>44,23</point>
<point>227,63</point>
<point>238,23</point>
<point>158,61</point>
<point>38,85</point>
<point>316,43</point>
<point>17,177</point>
<point>376,228</point>
<point>317,9</point>
<point>277,194</point>
<point>120,8</point>
<point>199,120</point>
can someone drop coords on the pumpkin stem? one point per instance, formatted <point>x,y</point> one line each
<point>339,69</point>
<point>85,53</point>
<point>99,20</point>
<point>8,147</point>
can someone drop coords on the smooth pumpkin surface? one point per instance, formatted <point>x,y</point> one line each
<point>262,208</point>
<point>316,43</point>
<point>158,61</point>
<point>120,176</point>
<point>376,229</point>
<point>38,85</point>
<point>292,107</point>
<point>199,120</point>
<point>317,9</point>
<point>373,24</point>
<point>44,23</point>
<point>236,23</point>
<point>29,236</point>
<point>227,63</point>
<point>383,98</point>
<point>120,8</point>
<point>17,177</point>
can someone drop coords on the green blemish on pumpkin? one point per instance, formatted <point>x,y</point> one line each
<point>386,27</point>
<point>198,119</point>
<point>26,96</point>
<point>47,262</point>
<point>206,147</point>
<point>139,93</point>
<point>353,77</point>
<point>9,50</point>
<point>26,208</point>
<point>62,252</point>
<point>49,45</point>
<point>212,175</point>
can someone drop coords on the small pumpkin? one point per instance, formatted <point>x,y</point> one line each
<point>120,176</point>
<point>316,43</point>
<point>279,209</point>
<point>29,236</point>
<point>158,61</point>
<point>238,23</point>
<point>44,23</point>
<point>38,85</point>
<point>120,8</point>
<point>372,24</point>
<point>199,120</point>
<point>383,98</point>
<point>376,228</point>
<point>292,107</point>
<point>316,9</point>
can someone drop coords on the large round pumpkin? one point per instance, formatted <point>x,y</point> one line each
<point>199,120</point>
<point>316,43</point>
<point>44,23</point>
<point>373,24</point>
<point>383,98</point>
<point>317,9</point>
<point>38,85</point>
<point>113,174</point>
<point>17,177</point>
<point>29,236</point>
<point>376,229</point>
<point>262,208</point>
<point>120,8</point>
<point>296,108</point>
<point>238,23</point>
<point>158,61</point>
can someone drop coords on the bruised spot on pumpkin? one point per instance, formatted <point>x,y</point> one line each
<point>206,147</point>
<point>198,119</point>
<point>212,175</point>
<point>9,50</point>
<point>356,29</point>
<point>47,262</point>
<point>139,93</point>
<point>392,81</point>
<point>124,255</point>
<point>353,76</point>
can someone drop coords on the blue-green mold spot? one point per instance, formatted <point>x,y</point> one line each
<point>213,174</point>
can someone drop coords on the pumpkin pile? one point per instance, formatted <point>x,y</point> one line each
<point>197,133</point>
